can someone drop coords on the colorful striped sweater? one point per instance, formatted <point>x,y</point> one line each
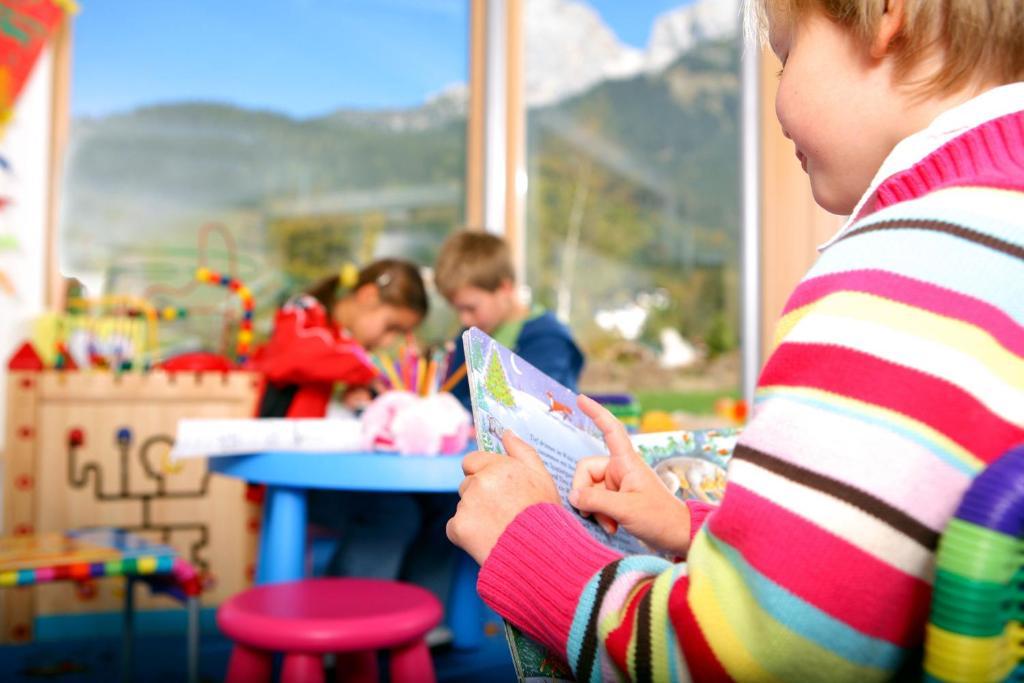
<point>898,373</point>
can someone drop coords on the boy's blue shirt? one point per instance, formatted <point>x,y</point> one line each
<point>545,343</point>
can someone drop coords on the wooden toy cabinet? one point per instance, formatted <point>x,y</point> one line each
<point>91,448</point>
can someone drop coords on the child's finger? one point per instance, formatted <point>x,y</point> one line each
<point>590,471</point>
<point>476,461</point>
<point>601,502</point>
<point>464,486</point>
<point>522,451</point>
<point>607,523</point>
<point>615,435</point>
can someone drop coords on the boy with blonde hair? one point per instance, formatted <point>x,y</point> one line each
<point>898,375</point>
<point>474,273</point>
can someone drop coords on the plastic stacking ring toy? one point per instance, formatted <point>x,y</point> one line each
<point>974,634</point>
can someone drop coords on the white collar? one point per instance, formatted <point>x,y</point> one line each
<point>989,105</point>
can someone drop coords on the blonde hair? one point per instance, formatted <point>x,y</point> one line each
<point>471,258</point>
<point>982,40</point>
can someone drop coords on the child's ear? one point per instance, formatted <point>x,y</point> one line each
<point>889,26</point>
<point>507,286</point>
<point>367,295</point>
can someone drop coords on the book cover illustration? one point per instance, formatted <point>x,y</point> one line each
<point>509,393</point>
<point>532,661</point>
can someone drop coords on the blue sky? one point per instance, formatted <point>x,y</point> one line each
<point>303,57</point>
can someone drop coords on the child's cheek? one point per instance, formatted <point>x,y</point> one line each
<point>783,108</point>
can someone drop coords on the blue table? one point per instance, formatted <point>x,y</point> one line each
<point>289,475</point>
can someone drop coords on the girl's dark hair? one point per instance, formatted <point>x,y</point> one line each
<point>399,283</point>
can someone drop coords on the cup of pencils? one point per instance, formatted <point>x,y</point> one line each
<point>417,415</point>
<point>423,373</point>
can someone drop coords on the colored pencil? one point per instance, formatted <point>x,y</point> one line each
<point>384,377</point>
<point>396,383</point>
<point>421,372</point>
<point>449,351</point>
<point>454,379</point>
<point>428,382</point>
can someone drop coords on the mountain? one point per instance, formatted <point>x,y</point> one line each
<point>671,138</point>
<point>449,104</point>
<point>682,29</point>
<point>569,48</point>
<point>209,156</point>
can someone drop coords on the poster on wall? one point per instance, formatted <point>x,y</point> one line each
<point>25,29</point>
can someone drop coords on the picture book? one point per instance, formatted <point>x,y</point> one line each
<point>509,393</point>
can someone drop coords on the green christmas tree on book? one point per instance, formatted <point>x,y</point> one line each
<point>497,383</point>
<point>476,358</point>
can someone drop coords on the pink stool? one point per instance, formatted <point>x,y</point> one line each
<point>350,617</point>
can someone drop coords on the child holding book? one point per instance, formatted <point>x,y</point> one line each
<point>897,376</point>
<point>474,273</point>
<point>321,339</point>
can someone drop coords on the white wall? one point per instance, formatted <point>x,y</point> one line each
<point>26,147</point>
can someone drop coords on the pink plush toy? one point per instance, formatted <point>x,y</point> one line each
<point>411,424</point>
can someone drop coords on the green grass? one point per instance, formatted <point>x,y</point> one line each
<point>697,402</point>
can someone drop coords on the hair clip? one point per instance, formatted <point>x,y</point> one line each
<point>383,280</point>
<point>348,276</point>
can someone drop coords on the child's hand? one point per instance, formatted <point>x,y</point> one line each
<point>357,398</point>
<point>495,490</point>
<point>622,490</point>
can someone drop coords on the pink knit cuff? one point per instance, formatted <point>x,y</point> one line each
<point>699,511</point>
<point>536,572</point>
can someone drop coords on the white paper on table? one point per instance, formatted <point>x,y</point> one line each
<point>201,438</point>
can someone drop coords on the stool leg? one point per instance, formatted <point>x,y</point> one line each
<point>248,666</point>
<point>412,664</point>
<point>302,668</point>
<point>357,667</point>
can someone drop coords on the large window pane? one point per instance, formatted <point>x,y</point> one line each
<point>314,133</point>
<point>633,200</point>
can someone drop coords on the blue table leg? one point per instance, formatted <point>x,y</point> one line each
<point>128,631</point>
<point>283,537</point>
<point>465,608</point>
<point>192,604</point>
